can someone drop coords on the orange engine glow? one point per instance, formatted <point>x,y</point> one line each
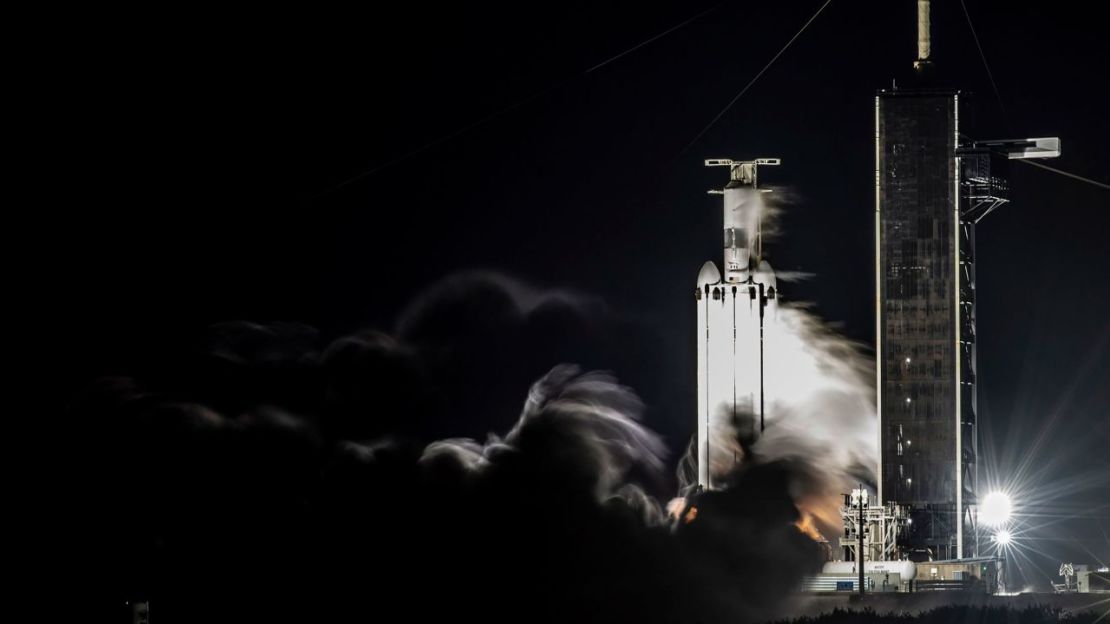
<point>691,514</point>
<point>675,508</point>
<point>806,525</point>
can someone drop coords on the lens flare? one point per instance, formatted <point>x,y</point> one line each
<point>1003,538</point>
<point>995,509</point>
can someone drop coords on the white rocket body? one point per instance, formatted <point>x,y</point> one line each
<point>741,222</point>
<point>733,312</point>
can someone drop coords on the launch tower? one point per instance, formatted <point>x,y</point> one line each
<point>932,185</point>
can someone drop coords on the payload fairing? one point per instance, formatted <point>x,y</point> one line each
<point>732,312</point>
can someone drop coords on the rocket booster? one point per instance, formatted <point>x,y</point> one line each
<point>733,306</point>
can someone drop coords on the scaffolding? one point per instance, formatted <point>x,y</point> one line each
<point>880,526</point>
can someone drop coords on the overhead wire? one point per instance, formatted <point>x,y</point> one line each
<point>659,36</point>
<point>754,79</point>
<point>521,102</point>
<point>986,65</point>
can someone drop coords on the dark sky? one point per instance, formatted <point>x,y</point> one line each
<point>203,144</point>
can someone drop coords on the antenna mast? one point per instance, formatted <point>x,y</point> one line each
<point>924,41</point>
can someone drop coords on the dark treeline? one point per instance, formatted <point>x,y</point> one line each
<point>966,614</point>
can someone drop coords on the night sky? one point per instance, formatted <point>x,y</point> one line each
<point>204,177</point>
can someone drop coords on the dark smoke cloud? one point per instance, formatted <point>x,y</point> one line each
<point>271,477</point>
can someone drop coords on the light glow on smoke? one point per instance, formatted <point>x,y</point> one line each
<point>675,508</point>
<point>807,525</point>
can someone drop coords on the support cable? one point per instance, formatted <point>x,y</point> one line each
<point>1065,173</point>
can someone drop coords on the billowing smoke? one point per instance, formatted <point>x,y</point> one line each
<point>822,414</point>
<point>270,476</point>
<point>820,417</point>
<point>586,425</point>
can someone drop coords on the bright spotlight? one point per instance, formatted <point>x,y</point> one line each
<point>994,510</point>
<point>1003,538</point>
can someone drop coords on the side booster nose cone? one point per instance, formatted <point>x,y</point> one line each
<point>765,275</point>
<point>708,274</point>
